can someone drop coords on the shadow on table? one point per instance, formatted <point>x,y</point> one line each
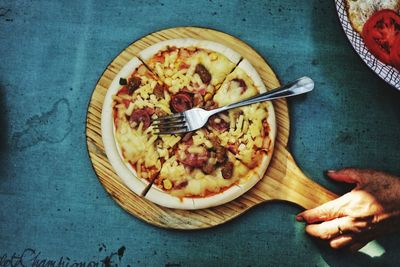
<point>338,64</point>
<point>362,258</point>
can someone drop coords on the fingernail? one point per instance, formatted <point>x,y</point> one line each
<point>299,218</point>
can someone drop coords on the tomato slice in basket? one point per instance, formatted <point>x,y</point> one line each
<point>380,32</point>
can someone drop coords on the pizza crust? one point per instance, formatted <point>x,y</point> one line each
<point>164,199</point>
<point>123,169</point>
<point>224,50</point>
<point>246,66</point>
<point>150,51</point>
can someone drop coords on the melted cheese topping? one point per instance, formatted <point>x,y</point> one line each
<point>217,64</point>
<point>139,146</point>
<point>159,153</point>
<point>231,91</point>
<point>136,145</point>
<point>178,69</point>
<point>245,131</point>
<point>173,171</point>
<point>199,139</point>
<point>246,123</point>
<point>239,170</point>
<point>200,184</point>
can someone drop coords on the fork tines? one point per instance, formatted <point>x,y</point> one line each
<point>172,124</point>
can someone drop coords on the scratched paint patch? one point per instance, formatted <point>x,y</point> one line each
<point>50,127</point>
<point>5,14</point>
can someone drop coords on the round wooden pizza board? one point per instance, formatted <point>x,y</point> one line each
<point>283,180</point>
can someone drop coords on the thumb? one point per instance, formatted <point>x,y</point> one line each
<point>347,175</point>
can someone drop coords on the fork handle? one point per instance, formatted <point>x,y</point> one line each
<point>297,87</point>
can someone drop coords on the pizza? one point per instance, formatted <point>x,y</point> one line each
<point>359,11</point>
<point>199,169</point>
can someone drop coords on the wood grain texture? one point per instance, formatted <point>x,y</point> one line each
<point>282,181</point>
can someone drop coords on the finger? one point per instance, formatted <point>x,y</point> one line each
<point>347,175</point>
<point>330,210</point>
<point>341,241</point>
<point>330,229</point>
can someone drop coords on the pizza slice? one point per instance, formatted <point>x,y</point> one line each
<point>192,69</point>
<point>247,132</point>
<point>140,98</point>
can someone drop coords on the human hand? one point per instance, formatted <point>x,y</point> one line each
<point>370,210</point>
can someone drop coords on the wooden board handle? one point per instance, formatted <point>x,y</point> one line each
<point>285,181</point>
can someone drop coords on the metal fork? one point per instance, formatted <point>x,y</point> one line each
<point>196,118</point>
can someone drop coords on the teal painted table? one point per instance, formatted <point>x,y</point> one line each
<point>52,206</point>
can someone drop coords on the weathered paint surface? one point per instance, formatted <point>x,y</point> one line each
<point>52,207</point>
